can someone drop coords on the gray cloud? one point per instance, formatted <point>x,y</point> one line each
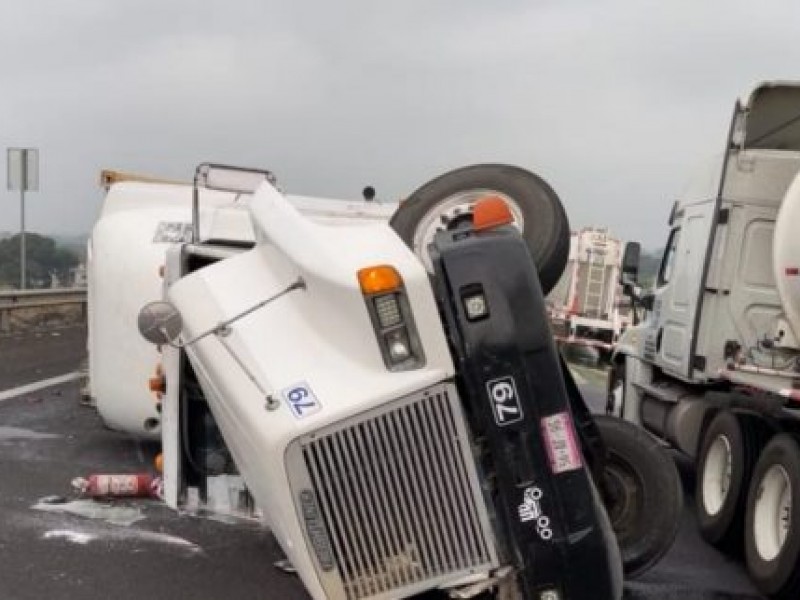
<point>613,102</point>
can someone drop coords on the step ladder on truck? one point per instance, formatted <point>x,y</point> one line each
<point>385,394</point>
<point>714,369</point>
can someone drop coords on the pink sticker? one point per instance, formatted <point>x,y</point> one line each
<point>561,444</point>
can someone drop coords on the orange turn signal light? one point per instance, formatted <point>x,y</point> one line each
<point>157,385</point>
<point>378,279</point>
<point>158,462</point>
<point>490,212</point>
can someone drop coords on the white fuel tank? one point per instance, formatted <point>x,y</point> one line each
<point>139,221</point>
<point>786,259</point>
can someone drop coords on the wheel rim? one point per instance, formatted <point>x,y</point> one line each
<point>772,514</point>
<point>451,210</point>
<point>625,506</point>
<point>717,475</point>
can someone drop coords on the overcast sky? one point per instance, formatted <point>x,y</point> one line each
<point>613,102</point>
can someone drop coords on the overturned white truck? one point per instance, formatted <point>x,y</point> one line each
<point>400,419</point>
<point>715,367</point>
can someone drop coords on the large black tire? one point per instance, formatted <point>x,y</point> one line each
<point>728,453</point>
<point>772,524</point>
<point>642,493</point>
<point>446,201</point>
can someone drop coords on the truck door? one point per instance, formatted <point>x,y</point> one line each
<point>669,339</point>
<point>754,303</point>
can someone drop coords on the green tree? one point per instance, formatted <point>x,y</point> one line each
<point>43,256</point>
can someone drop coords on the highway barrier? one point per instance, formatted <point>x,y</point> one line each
<point>41,309</point>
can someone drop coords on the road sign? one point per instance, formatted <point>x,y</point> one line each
<point>23,169</point>
<point>23,175</point>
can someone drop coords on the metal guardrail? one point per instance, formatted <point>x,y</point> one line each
<point>17,298</point>
<point>34,309</point>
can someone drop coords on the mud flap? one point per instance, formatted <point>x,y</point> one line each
<point>551,525</point>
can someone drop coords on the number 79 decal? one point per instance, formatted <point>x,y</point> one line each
<point>504,400</point>
<point>301,400</point>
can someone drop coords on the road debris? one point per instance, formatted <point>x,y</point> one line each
<point>137,485</point>
<point>91,509</point>
<point>76,537</point>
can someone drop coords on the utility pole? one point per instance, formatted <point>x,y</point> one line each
<point>23,175</point>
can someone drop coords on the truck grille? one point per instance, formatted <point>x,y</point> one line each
<point>399,498</point>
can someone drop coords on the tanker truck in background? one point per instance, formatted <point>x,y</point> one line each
<point>714,369</point>
<point>587,307</point>
<point>378,384</point>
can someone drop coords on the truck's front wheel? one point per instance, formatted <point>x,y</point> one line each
<point>772,527</point>
<point>447,201</point>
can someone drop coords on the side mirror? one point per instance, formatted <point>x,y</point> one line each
<point>630,259</point>
<point>647,301</point>
<point>628,289</point>
<point>160,323</point>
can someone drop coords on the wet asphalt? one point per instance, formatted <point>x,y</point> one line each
<point>48,437</point>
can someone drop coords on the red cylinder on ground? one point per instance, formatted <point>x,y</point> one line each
<point>137,485</point>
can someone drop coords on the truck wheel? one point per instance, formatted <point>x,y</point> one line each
<point>772,527</point>
<point>615,400</point>
<point>642,493</point>
<point>446,202</point>
<point>727,455</point>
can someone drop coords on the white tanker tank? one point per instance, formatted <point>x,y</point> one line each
<point>786,267</point>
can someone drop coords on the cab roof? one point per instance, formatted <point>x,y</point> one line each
<point>770,119</point>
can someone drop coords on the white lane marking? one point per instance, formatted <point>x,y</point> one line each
<point>39,385</point>
<point>18,433</point>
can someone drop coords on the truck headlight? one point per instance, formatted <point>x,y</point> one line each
<point>397,343</point>
<point>391,317</point>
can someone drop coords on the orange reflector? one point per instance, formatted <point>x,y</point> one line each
<point>157,384</point>
<point>158,463</point>
<point>490,212</point>
<point>382,278</point>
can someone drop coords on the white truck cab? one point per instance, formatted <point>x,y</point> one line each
<point>401,422</point>
<point>714,368</point>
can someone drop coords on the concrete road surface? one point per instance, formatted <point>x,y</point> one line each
<point>139,549</point>
<point>40,355</point>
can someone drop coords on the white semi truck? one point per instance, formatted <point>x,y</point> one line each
<point>586,305</point>
<point>714,369</point>
<point>400,420</point>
